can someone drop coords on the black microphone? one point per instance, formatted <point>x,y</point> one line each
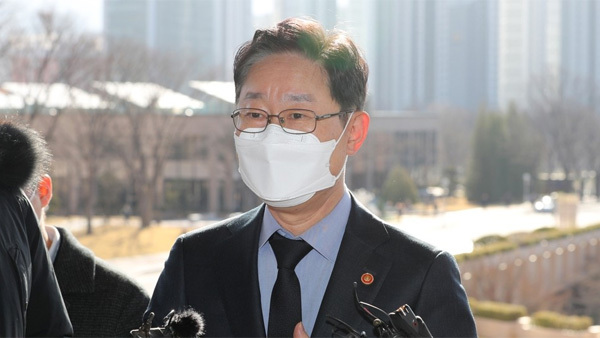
<point>186,323</point>
<point>401,323</point>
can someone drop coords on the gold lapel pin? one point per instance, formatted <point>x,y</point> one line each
<point>367,278</point>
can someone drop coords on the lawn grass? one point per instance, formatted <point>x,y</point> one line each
<point>113,237</point>
<point>117,239</point>
<point>124,241</point>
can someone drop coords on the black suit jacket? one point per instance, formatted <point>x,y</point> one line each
<point>101,301</point>
<point>30,301</point>
<point>214,270</point>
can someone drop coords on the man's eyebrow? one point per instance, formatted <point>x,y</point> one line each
<point>253,95</point>
<point>299,97</point>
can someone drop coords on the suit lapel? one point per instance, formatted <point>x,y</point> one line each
<point>357,257</point>
<point>237,275</point>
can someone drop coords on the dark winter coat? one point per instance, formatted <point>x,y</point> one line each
<point>101,301</point>
<point>30,301</point>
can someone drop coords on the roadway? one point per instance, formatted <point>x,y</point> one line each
<point>453,231</point>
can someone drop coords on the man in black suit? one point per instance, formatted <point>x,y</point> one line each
<point>101,301</point>
<point>300,94</point>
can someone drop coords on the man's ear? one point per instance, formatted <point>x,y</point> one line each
<point>358,128</point>
<point>45,190</point>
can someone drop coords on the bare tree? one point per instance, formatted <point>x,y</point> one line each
<point>87,139</point>
<point>7,29</point>
<point>456,126</point>
<point>562,120</point>
<point>456,131</point>
<point>52,52</point>
<point>47,62</point>
<point>147,135</point>
<point>144,130</point>
<point>591,145</point>
<point>137,134</point>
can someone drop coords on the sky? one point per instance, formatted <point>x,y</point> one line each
<point>88,13</point>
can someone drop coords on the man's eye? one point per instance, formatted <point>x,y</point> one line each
<point>297,116</point>
<point>253,115</point>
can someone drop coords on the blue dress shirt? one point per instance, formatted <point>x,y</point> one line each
<point>314,270</point>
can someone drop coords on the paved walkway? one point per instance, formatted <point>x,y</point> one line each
<point>144,269</point>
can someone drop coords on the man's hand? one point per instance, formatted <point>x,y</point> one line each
<point>299,331</point>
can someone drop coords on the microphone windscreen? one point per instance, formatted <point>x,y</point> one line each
<point>187,323</point>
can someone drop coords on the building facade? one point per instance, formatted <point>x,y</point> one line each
<point>207,31</point>
<point>197,172</point>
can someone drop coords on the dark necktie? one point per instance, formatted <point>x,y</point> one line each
<point>286,306</point>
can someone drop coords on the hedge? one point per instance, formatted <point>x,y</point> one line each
<point>490,245</point>
<point>558,321</point>
<point>497,310</point>
<point>512,312</point>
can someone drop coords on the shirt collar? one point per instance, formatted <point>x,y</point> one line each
<point>322,236</point>
<point>54,238</point>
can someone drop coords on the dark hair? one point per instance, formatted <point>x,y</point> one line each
<point>346,68</point>
<point>24,157</point>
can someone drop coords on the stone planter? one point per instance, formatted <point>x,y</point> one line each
<point>521,328</point>
<point>487,327</point>
<point>530,331</point>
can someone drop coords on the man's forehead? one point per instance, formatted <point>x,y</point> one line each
<point>299,97</point>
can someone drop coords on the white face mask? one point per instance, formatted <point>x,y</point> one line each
<point>284,169</point>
